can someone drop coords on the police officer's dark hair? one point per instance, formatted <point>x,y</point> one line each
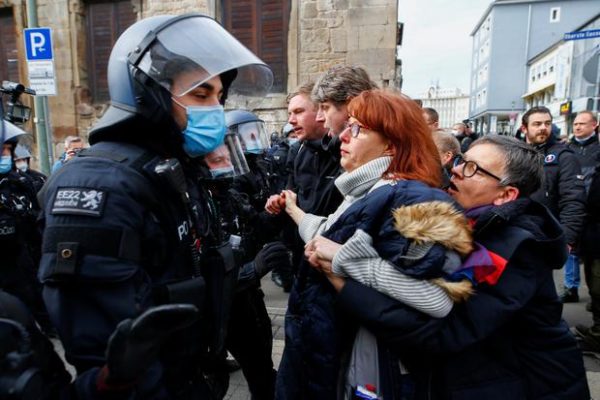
<point>341,83</point>
<point>534,110</point>
<point>523,164</point>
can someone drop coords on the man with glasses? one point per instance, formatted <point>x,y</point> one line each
<point>562,191</point>
<point>508,341</point>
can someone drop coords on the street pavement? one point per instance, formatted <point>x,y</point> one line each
<point>276,301</point>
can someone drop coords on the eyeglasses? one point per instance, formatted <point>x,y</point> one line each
<point>355,128</point>
<point>470,168</point>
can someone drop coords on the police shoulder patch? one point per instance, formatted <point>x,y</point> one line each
<point>79,201</point>
<point>550,158</point>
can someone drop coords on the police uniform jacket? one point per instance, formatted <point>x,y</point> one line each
<point>114,240</point>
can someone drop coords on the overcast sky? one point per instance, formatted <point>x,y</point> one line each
<point>437,44</point>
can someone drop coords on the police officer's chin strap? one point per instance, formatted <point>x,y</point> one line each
<point>154,105</point>
<point>227,79</point>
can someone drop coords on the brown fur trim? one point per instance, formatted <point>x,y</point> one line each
<point>457,291</point>
<point>435,221</point>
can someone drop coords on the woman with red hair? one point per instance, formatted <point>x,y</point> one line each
<point>395,231</point>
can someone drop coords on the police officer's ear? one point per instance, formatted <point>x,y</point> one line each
<point>227,79</point>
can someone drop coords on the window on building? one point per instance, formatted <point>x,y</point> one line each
<point>555,14</point>
<point>9,61</point>
<point>106,20</point>
<point>262,26</point>
<point>545,68</point>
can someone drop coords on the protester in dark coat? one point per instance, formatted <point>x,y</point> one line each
<point>508,341</point>
<point>383,171</point>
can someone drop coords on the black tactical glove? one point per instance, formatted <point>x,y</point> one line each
<point>272,255</point>
<point>135,344</point>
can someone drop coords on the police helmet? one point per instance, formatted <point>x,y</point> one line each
<point>227,160</point>
<point>21,152</point>
<point>287,129</point>
<point>249,128</point>
<point>10,133</point>
<point>153,51</point>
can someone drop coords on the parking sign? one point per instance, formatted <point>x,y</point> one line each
<point>38,43</point>
<point>40,62</point>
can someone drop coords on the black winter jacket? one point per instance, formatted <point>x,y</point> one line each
<point>315,170</point>
<point>563,190</point>
<point>508,341</point>
<point>588,153</point>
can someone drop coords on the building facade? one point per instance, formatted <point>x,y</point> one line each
<point>508,35</point>
<point>566,77</point>
<point>452,105</point>
<point>299,39</point>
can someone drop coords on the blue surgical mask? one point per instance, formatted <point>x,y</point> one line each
<point>254,150</point>
<point>224,172</point>
<point>205,130</point>
<point>292,141</point>
<point>5,164</point>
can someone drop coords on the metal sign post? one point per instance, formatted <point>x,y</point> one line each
<point>40,67</point>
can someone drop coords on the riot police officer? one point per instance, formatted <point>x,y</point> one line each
<point>238,195</point>
<point>128,227</point>
<point>30,369</point>
<point>20,240</point>
<point>23,164</point>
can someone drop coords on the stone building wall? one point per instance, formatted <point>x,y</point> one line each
<point>156,7</point>
<point>321,33</point>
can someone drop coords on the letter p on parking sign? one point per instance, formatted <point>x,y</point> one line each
<point>38,44</point>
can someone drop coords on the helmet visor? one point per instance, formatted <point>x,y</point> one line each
<point>11,133</point>
<point>200,45</point>
<point>253,136</point>
<point>227,160</point>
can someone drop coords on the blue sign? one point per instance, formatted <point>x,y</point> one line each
<point>38,44</point>
<point>591,34</point>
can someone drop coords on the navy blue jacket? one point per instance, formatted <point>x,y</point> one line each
<point>112,241</point>
<point>508,341</point>
<point>317,332</point>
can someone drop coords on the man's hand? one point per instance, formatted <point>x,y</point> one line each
<point>275,204</point>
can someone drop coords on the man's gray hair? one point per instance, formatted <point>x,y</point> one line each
<point>523,164</point>
<point>341,83</point>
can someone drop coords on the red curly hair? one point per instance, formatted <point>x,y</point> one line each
<point>399,119</point>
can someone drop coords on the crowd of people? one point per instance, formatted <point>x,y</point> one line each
<point>419,262</point>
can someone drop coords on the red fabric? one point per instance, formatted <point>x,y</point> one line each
<point>491,274</point>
